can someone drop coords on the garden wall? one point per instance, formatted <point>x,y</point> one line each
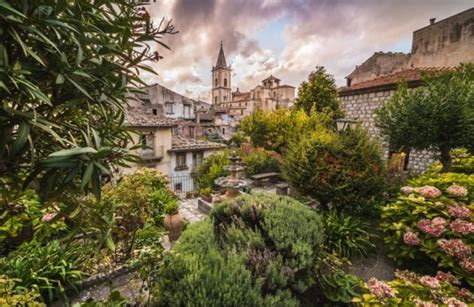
<point>361,105</point>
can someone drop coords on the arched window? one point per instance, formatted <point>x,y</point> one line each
<point>225,82</point>
<point>215,82</point>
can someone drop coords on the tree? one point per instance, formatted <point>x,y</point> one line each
<point>319,93</point>
<point>344,171</point>
<point>437,116</point>
<point>66,68</point>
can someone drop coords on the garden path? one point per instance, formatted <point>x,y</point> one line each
<point>188,208</point>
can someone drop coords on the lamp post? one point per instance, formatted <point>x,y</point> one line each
<point>345,124</point>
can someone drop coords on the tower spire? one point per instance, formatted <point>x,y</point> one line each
<point>221,58</point>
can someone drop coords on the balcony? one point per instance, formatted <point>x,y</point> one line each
<point>149,155</point>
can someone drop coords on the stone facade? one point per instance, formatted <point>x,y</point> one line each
<point>362,106</point>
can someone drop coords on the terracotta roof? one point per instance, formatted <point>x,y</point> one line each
<point>271,78</point>
<point>144,117</point>
<point>408,75</point>
<point>184,144</point>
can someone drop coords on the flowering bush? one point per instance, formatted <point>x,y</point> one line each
<point>410,289</point>
<point>433,221</point>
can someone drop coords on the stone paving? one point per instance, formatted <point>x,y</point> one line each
<point>188,208</point>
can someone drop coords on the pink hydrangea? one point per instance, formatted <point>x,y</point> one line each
<point>453,302</point>
<point>468,265</point>
<point>380,289</point>
<point>447,277</point>
<point>458,211</point>
<point>462,226</point>
<point>407,190</point>
<point>48,217</point>
<point>457,191</point>
<point>455,248</point>
<point>466,294</point>
<point>411,238</point>
<point>428,191</point>
<point>431,282</point>
<point>434,228</point>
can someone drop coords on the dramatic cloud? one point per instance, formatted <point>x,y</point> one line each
<point>284,38</point>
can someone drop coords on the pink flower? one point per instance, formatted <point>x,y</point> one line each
<point>462,226</point>
<point>429,281</point>
<point>457,191</point>
<point>48,217</point>
<point>458,211</point>
<point>453,302</point>
<point>447,277</point>
<point>455,248</point>
<point>428,191</point>
<point>434,228</point>
<point>466,294</point>
<point>380,289</point>
<point>468,265</point>
<point>411,238</point>
<point>407,190</point>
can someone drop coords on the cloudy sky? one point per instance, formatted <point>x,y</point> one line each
<point>286,38</point>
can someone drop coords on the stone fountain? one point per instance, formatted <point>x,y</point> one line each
<point>235,182</point>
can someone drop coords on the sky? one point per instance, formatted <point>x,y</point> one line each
<point>286,38</point>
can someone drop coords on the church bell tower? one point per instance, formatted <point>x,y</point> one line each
<point>221,76</point>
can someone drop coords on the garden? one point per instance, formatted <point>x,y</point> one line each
<point>70,218</point>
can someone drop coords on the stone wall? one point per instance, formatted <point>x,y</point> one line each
<point>362,106</point>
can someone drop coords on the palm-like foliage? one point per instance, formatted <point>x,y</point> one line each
<point>66,68</point>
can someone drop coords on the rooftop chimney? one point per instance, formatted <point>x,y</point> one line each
<point>432,20</point>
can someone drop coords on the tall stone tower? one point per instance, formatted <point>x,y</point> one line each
<point>221,76</point>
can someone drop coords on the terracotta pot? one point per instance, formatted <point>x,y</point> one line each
<point>174,225</point>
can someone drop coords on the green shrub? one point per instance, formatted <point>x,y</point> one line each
<point>261,161</point>
<point>343,171</point>
<point>346,236</point>
<point>50,268</point>
<point>411,289</point>
<point>211,169</point>
<point>462,162</point>
<point>432,219</point>
<point>10,295</point>
<point>255,250</point>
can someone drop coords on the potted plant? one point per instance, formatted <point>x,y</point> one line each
<point>206,194</point>
<point>173,221</point>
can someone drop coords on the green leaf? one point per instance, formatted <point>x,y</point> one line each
<point>60,79</point>
<point>87,175</point>
<point>23,133</point>
<point>110,242</point>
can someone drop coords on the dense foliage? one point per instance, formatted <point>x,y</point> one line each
<point>259,160</point>
<point>438,115</point>
<point>341,170</point>
<point>255,250</point>
<point>411,289</point>
<point>462,162</point>
<point>319,93</point>
<point>10,295</point>
<point>432,219</point>
<point>275,130</point>
<point>211,169</point>
<point>347,236</point>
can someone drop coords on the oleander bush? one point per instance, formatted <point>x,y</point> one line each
<point>347,236</point>
<point>411,289</point>
<point>432,219</point>
<point>255,250</point>
<point>341,171</point>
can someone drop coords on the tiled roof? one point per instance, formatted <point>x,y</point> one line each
<point>271,78</point>
<point>184,144</point>
<point>407,75</point>
<point>144,117</point>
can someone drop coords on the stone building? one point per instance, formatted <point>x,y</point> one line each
<point>267,96</point>
<point>438,47</point>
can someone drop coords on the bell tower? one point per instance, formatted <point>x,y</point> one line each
<point>221,76</point>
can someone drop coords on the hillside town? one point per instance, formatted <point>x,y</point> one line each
<point>236,153</point>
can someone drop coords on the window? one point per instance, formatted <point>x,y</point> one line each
<point>143,140</point>
<point>215,99</point>
<point>169,108</point>
<point>215,82</point>
<point>191,132</point>
<point>225,82</point>
<point>181,160</point>
<point>223,130</point>
<point>187,111</point>
<point>197,158</point>
<point>155,112</point>
<point>178,187</point>
<point>225,98</point>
